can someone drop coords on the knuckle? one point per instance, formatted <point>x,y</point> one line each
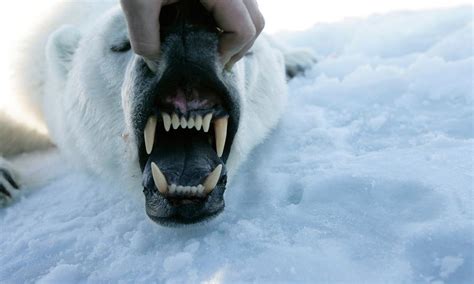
<point>247,34</point>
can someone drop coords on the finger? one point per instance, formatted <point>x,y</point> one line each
<point>256,16</point>
<point>143,21</point>
<point>259,23</point>
<point>143,25</point>
<point>232,17</point>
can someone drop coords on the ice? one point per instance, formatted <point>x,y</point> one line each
<point>369,178</point>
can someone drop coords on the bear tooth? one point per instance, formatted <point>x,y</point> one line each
<point>198,122</point>
<point>149,133</point>
<point>159,179</point>
<point>200,190</point>
<point>191,123</point>
<point>206,122</point>
<point>166,121</point>
<point>220,130</point>
<point>194,190</point>
<point>151,65</point>
<point>212,179</point>
<point>184,122</point>
<point>187,189</point>
<point>175,121</point>
<point>172,188</point>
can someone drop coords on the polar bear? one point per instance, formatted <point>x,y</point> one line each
<point>178,128</point>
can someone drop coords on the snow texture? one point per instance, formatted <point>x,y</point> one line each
<point>368,178</point>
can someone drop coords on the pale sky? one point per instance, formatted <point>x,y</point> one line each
<point>293,15</point>
<point>280,15</point>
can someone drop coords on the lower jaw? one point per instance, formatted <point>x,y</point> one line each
<point>161,211</point>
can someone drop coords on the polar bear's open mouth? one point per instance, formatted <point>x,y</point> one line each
<point>186,142</point>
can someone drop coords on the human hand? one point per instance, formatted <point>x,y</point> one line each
<point>240,20</point>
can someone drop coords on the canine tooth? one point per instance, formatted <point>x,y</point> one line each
<point>159,179</point>
<point>175,121</point>
<point>149,133</point>
<point>166,121</point>
<point>190,122</point>
<point>220,129</point>
<point>184,122</point>
<point>198,122</point>
<point>212,179</point>
<point>206,122</point>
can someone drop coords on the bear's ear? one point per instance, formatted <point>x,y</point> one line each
<point>60,49</point>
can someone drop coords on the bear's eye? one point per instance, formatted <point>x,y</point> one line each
<point>121,47</point>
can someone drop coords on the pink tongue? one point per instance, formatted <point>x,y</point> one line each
<point>195,99</point>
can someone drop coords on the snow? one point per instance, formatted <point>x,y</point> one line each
<point>368,178</point>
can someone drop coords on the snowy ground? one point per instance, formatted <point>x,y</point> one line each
<point>369,178</point>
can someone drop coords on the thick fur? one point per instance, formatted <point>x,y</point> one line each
<point>79,90</point>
